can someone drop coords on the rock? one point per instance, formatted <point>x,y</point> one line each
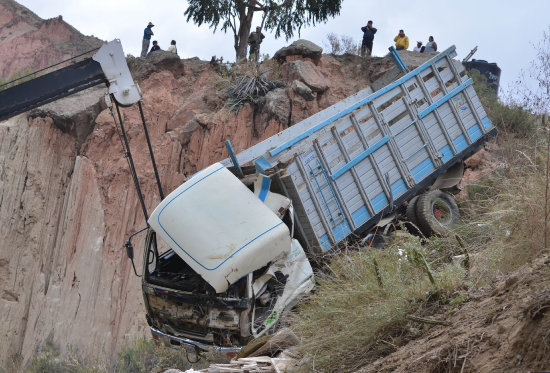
<point>277,105</point>
<point>308,73</point>
<point>156,61</point>
<point>73,114</point>
<point>303,90</point>
<point>160,56</point>
<point>477,159</point>
<point>302,48</point>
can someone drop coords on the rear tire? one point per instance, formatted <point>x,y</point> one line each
<point>410,213</point>
<point>437,212</point>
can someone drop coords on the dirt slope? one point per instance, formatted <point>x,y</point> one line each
<point>505,328</point>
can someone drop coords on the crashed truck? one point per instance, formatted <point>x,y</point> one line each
<point>227,252</point>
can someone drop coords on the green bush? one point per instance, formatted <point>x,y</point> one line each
<point>50,360</point>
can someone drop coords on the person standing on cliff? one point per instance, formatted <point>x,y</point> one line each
<point>254,40</point>
<point>401,41</point>
<point>146,39</point>
<point>368,38</point>
<point>431,45</point>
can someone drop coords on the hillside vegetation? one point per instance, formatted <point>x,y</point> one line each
<point>370,302</point>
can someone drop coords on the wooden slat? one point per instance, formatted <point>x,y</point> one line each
<point>314,200</point>
<point>353,171</point>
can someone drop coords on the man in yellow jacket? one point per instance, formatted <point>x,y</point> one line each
<point>401,41</point>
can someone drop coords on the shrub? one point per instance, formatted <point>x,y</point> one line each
<point>144,356</point>
<point>51,360</point>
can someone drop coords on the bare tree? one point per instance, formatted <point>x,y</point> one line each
<point>341,44</point>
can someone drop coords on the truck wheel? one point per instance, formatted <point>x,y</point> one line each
<point>410,213</point>
<point>437,212</point>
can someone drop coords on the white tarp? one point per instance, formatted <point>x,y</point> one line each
<point>219,227</point>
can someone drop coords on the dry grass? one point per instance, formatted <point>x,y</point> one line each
<point>140,356</point>
<point>350,320</point>
<point>504,214</point>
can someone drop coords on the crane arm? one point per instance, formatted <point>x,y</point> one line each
<point>108,66</point>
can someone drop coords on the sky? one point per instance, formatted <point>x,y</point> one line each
<point>505,31</point>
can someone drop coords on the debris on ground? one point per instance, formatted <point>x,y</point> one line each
<point>263,364</point>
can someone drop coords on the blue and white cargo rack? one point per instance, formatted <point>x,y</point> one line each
<point>353,163</point>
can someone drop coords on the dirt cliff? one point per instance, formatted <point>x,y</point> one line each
<point>29,43</point>
<point>503,328</point>
<point>67,202</point>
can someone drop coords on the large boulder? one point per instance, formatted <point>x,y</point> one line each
<point>277,105</point>
<point>157,61</point>
<point>301,47</point>
<point>76,113</point>
<point>308,73</point>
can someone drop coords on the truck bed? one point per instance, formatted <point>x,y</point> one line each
<point>351,164</point>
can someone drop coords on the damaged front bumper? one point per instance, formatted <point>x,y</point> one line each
<point>173,341</point>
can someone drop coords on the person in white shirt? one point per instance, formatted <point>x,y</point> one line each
<point>172,48</point>
<point>431,45</point>
<point>418,47</point>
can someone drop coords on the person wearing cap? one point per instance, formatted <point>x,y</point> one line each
<point>431,45</point>
<point>401,41</point>
<point>418,47</point>
<point>368,37</point>
<point>254,40</point>
<point>146,39</point>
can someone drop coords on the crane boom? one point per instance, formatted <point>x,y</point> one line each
<point>108,66</point>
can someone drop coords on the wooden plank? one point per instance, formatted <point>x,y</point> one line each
<point>394,151</point>
<point>468,95</point>
<point>315,201</point>
<point>422,130</point>
<point>358,184</point>
<point>452,106</point>
<point>334,189</point>
<point>436,115</point>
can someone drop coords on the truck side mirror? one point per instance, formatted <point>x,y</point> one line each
<point>129,250</point>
